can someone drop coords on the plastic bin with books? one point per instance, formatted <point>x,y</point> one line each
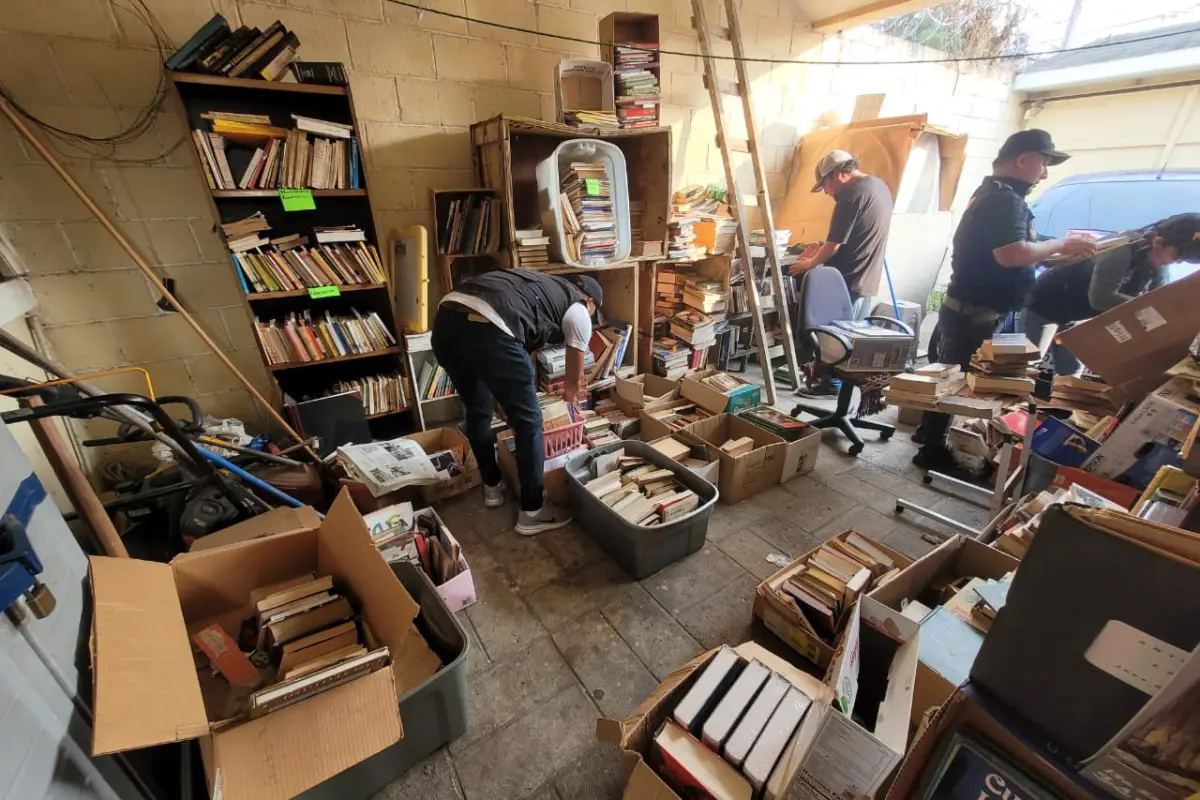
<point>585,185</point>
<point>644,509</point>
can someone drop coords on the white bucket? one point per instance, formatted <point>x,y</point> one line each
<point>549,174</point>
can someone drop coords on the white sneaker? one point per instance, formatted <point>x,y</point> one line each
<point>495,496</point>
<point>549,517</point>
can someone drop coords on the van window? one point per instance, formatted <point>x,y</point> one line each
<point>1061,208</point>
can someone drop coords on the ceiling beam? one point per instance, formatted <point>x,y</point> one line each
<point>871,12</point>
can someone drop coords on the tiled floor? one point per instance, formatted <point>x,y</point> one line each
<point>561,635</point>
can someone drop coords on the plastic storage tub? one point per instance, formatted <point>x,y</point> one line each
<point>549,182</point>
<point>433,714</point>
<point>640,551</point>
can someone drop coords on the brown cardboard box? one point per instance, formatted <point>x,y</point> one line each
<point>1143,337</point>
<point>149,691</point>
<point>631,393</point>
<point>711,471</point>
<point>271,523</point>
<point>651,428</point>
<point>772,462</point>
<point>782,618</point>
<point>436,440</point>
<point>708,398</point>
<point>957,557</point>
<point>554,482</point>
<point>635,734</point>
<point>963,711</point>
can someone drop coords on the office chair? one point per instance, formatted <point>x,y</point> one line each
<point>824,299</point>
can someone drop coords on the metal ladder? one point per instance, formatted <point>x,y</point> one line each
<point>717,88</point>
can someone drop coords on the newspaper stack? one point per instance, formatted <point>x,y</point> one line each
<point>387,466</point>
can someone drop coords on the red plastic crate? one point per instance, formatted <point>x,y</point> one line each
<point>564,439</point>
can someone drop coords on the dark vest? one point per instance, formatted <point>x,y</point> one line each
<point>1061,294</point>
<point>977,277</point>
<point>531,303</point>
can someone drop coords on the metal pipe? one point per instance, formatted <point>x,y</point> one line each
<point>1035,101</point>
<point>253,480</point>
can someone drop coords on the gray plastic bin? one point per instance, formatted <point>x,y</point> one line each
<point>434,713</point>
<point>640,551</point>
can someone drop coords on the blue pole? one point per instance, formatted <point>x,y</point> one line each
<point>224,463</point>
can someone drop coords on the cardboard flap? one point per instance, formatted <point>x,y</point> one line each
<point>644,784</point>
<point>283,754</point>
<point>144,677</point>
<point>278,520</point>
<point>632,733</point>
<point>843,670</point>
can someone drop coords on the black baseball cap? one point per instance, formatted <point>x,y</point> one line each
<point>1034,140</point>
<point>589,286</point>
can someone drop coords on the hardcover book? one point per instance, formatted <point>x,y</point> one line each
<point>969,770</point>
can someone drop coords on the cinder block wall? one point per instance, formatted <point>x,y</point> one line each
<point>419,81</point>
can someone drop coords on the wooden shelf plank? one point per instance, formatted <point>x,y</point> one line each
<point>234,194</point>
<point>339,359</point>
<point>362,287</point>
<point>394,413</point>
<point>251,83</point>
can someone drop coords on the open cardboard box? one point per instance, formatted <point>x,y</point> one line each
<point>830,756</point>
<point>149,688</point>
<point>772,461</point>
<point>785,620</point>
<point>957,558</point>
<point>631,393</point>
<point>431,441</point>
<point>651,428</point>
<point>583,84</point>
<point>972,712</point>
<point>711,471</point>
<point>554,481</point>
<point>748,395</point>
<point>278,520</point>
<point>459,591</point>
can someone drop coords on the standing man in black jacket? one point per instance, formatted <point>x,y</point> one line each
<point>995,251</point>
<point>482,336</point>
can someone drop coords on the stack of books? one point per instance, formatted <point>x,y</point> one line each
<point>758,242</point>
<point>695,328</point>
<point>305,337</point>
<point>587,210</point>
<point>925,387</point>
<point>467,228</point>
<point>681,238</point>
<point>672,358</point>
<point>708,297</point>
<point>643,494</point>
<point>551,363</point>
<point>669,283</point>
<point>286,264</point>
<point>636,78</point>
<point>532,248</point>
<point>380,394</point>
<point>245,53</point>
<point>1001,365</point>
<point>1084,394</point>
<point>581,118</point>
<point>434,382</point>
<point>316,154</point>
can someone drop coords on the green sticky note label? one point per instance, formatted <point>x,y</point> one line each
<point>297,200</point>
<point>592,185</point>
<point>321,292</point>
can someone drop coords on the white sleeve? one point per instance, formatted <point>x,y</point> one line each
<point>577,327</point>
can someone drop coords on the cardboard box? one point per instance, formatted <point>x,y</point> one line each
<point>635,734</point>
<point>583,84</point>
<point>652,428</point>
<point>1165,417</point>
<point>631,393</point>
<point>149,691</point>
<point>436,440</point>
<point>782,618</point>
<point>270,523</point>
<point>772,462</point>
<point>554,480</point>
<point>970,709</point>
<point>957,558</point>
<point>747,396</point>
<point>1144,336</point>
<point>458,592</point>
<point>711,471</point>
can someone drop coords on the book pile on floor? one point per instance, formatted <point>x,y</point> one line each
<point>532,248</point>
<point>551,365</point>
<point>587,210</point>
<point>309,638</point>
<point>288,263</point>
<point>597,430</point>
<point>672,358</point>
<point>315,154</point>
<point>695,328</point>
<point>434,382</point>
<point>1001,365</point>
<point>823,584</point>
<point>726,736</point>
<point>925,386</point>
<point>304,337</point>
<point>467,228</point>
<point>637,88</point>
<point>641,493</point>
<point>580,118</point>
<point>380,394</point>
<point>245,53</point>
<point>1018,529</point>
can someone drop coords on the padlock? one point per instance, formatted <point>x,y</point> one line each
<point>40,600</point>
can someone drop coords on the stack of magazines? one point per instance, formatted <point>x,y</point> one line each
<point>387,466</point>
<point>587,210</point>
<point>307,337</point>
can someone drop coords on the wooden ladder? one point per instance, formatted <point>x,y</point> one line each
<point>717,88</point>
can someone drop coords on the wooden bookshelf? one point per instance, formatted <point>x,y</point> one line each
<point>488,258</point>
<point>200,94</point>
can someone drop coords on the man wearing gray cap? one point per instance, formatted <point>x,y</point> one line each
<point>482,336</point>
<point>858,231</point>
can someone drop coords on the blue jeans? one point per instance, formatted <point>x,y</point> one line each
<point>961,336</point>
<point>484,363</point>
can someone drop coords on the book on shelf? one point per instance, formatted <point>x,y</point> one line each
<point>379,394</point>
<point>591,118</point>
<point>281,157</point>
<point>434,382</point>
<point>305,337</point>
<point>532,247</point>
<point>247,52</point>
<point>322,73</point>
<point>590,224</point>
<point>467,227</point>
<point>209,36</point>
<point>279,266</point>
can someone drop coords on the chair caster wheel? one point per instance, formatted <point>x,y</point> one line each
<point>885,435</point>
<point>927,478</point>
<point>899,509</point>
<point>855,449</point>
